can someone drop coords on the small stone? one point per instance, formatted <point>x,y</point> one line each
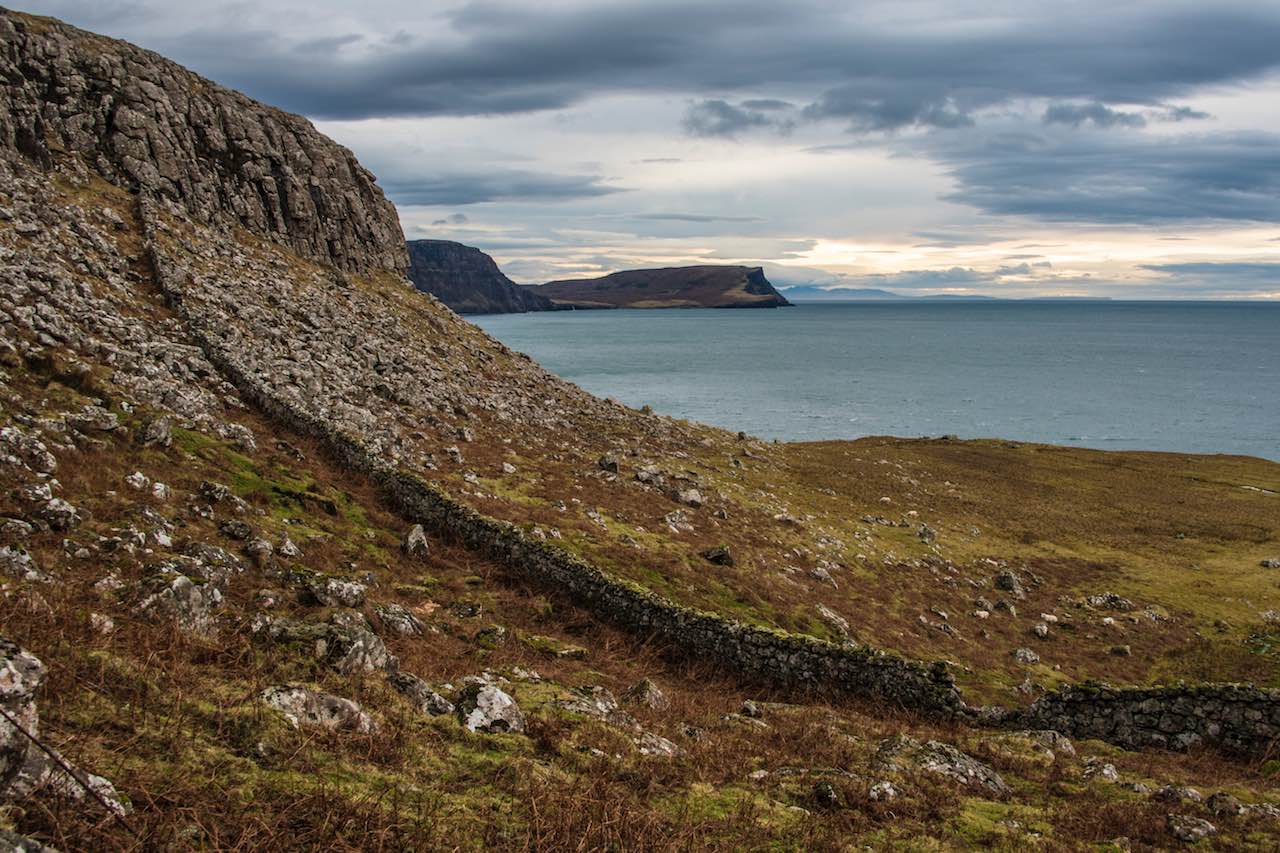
<point>420,694</point>
<point>214,492</point>
<point>288,548</point>
<point>336,592</point>
<point>689,497</point>
<point>645,692</point>
<point>1189,829</point>
<point>883,792</point>
<point>1098,769</point>
<point>485,708</point>
<point>302,706</point>
<point>1223,804</point>
<point>235,529</point>
<point>1120,651</point>
<point>261,553</point>
<point>1177,794</point>
<point>415,543</point>
<point>137,481</point>
<point>1025,655</point>
<point>608,462</point>
<point>719,555</point>
<point>158,433</point>
<point>1009,582</point>
<point>825,795</point>
<point>1271,563</point>
<point>1041,630</point>
<point>400,620</point>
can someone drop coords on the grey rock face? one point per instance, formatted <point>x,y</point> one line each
<point>144,121</point>
<point>1189,829</point>
<point>19,564</point>
<point>415,543</point>
<point>400,619</point>
<point>20,674</point>
<point>302,706</point>
<point>420,694</point>
<point>336,592</point>
<point>941,759</point>
<point>485,708</point>
<point>26,769</point>
<point>645,692</point>
<point>188,605</point>
<point>345,642</point>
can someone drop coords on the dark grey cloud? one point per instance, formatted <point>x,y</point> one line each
<point>1218,279</point>
<point>1100,114</point>
<point>890,106</point>
<point>716,117</point>
<point>460,188</point>
<point>1135,179</point>
<point>848,62</point>
<point>453,219</point>
<point>1262,272</point>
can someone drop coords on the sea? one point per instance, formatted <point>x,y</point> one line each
<point>1193,377</point>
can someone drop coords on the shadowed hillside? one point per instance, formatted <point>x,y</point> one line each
<point>467,280</point>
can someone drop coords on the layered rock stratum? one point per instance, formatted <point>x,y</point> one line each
<point>222,421</point>
<point>468,280</point>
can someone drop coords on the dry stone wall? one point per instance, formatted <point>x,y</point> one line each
<point>1240,718</point>
<point>142,121</point>
<point>774,657</point>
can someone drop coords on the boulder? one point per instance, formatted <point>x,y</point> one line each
<point>940,759</point>
<point>25,768</point>
<point>645,692</point>
<point>420,694</point>
<point>720,555</point>
<point>400,620</point>
<point>415,543</point>
<point>303,706</point>
<point>1189,829</point>
<point>189,605</point>
<point>485,708</point>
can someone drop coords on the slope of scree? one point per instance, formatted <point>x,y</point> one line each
<point>248,649</point>
<point>140,120</point>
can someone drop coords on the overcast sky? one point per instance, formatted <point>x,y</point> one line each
<point>1010,148</point>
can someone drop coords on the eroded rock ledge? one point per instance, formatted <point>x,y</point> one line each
<point>142,121</point>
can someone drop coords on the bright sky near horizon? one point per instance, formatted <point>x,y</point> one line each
<point>1005,148</point>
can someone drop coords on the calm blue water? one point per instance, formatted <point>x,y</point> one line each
<point>1193,377</point>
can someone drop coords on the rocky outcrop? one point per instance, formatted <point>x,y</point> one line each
<point>28,766</point>
<point>669,287</point>
<point>140,120</point>
<point>468,280</point>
